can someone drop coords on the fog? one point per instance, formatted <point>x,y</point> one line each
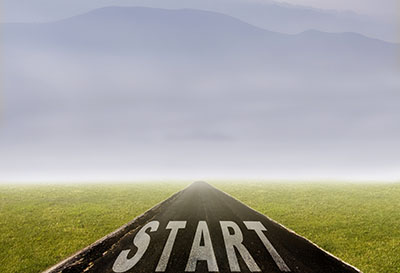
<point>377,19</point>
<point>138,93</point>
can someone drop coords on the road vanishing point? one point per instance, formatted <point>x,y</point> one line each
<point>202,229</point>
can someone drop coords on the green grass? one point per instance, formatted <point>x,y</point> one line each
<point>40,225</point>
<point>359,223</point>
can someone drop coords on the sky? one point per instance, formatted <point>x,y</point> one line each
<point>38,10</point>
<point>137,93</point>
<point>372,7</point>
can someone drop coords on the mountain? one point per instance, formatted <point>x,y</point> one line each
<point>157,85</point>
<point>292,19</point>
<point>272,15</point>
<point>192,33</point>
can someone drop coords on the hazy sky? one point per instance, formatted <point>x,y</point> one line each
<point>38,10</point>
<point>377,7</point>
<point>128,93</point>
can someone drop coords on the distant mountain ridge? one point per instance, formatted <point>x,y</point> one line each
<point>149,28</point>
<point>154,88</point>
<point>272,15</point>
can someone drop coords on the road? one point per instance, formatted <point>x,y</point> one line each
<point>202,229</point>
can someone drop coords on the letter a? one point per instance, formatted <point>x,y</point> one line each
<point>202,253</point>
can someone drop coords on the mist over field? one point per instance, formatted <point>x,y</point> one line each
<point>130,93</point>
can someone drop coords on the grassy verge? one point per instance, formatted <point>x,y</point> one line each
<point>359,223</point>
<point>40,225</point>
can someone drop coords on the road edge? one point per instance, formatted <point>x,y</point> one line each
<point>119,233</point>
<point>289,230</point>
<point>80,255</point>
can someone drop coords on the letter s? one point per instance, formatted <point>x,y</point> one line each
<point>141,241</point>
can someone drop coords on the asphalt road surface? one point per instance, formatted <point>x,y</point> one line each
<point>201,229</point>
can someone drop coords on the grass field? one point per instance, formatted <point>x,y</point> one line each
<point>40,225</point>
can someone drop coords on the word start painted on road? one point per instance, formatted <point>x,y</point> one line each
<point>201,248</point>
